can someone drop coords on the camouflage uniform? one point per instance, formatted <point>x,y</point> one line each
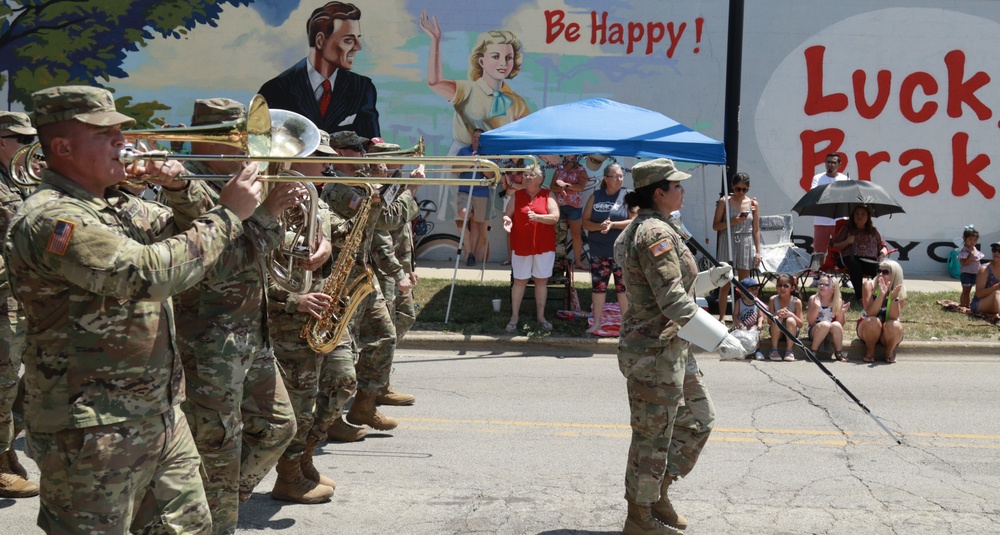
<point>405,312</point>
<point>373,329</point>
<point>95,276</point>
<point>671,412</point>
<point>237,405</point>
<point>11,325</point>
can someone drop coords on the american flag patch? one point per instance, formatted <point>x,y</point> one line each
<point>355,201</point>
<point>661,247</point>
<point>59,240</point>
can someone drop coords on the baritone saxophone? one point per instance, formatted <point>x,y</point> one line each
<point>323,334</point>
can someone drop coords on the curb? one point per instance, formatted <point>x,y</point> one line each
<point>441,340</point>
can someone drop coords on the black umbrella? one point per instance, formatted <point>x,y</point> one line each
<point>838,199</point>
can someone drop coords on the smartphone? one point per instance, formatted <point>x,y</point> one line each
<point>745,213</point>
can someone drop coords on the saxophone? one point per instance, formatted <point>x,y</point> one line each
<point>323,334</point>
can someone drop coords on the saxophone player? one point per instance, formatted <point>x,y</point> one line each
<point>372,327</point>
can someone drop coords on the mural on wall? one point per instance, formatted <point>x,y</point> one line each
<point>405,69</point>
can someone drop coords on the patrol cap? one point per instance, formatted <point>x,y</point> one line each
<point>16,122</point>
<point>653,171</point>
<point>383,147</point>
<point>749,282</point>
<point>346,138</point>
<point>90,105</point>
<point>217,110</point>
<point>324,144</point>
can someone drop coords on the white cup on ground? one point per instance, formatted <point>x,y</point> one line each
<point>496,305</point>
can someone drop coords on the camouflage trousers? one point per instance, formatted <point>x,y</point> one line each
<point>318,384</point>
<point>96,479</point>
<point>11,346</point>
<point>404,313</point>
<point>375,336</point>
<point>242,421</point>
<point>671,417</point>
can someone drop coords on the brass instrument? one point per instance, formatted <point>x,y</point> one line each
<point>293,134</point>
<point>24,176</point>
<point>347,294</point>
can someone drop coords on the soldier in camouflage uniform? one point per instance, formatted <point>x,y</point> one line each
<point>15,132</point>
<point>672,414</point>
<point>237,405</point>
<point>372,326</point>
<point>94,270</point>
<point>400,303</point>
<point>298,480</point>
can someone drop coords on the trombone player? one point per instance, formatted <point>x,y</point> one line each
<point>16,132</point>
<point>94,270</point>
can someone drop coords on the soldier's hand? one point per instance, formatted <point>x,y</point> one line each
<point>163,173</point>
<point>414,279</point>
<point>315,304</point>
<point>284,196</point>
<point>323,252</point>
<point>241,192</point>
<point>403,285</point>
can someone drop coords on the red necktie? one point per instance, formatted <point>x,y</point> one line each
<point>324,99</point>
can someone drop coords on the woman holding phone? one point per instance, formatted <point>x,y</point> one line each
<point>743,253</point>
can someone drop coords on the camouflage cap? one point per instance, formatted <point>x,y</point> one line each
<point>217,110</point>
<point>16,122</point>
<point>324,144</point>
<point>346,138</point>
<point>653,171</point>
<point>90,105</point>
<point>383,147</point>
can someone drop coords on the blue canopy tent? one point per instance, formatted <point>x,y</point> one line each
<point>601,126</point>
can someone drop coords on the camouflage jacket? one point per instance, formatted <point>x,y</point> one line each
<point>10,200</point>
<point>224,316</point>
<point>95,276</point>
<point>659,273</point>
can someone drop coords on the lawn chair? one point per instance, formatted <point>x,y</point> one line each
<point>778,254</point>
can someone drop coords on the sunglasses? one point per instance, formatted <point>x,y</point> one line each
<point>885,272</point>
<point>23,139</point>
<point>741,190</point>
<point>995,249</point>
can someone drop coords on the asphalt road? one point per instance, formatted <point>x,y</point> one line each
<point>519,442</point>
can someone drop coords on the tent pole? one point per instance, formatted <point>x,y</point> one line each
<point>458,256</point>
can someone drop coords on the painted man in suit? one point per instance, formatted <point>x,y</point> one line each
<point>321,86</point>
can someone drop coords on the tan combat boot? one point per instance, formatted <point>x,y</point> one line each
<point>15,465</point>
<point>363,412</point>
<point>308,470</point>
<point>663,510</point>
<point>13,485</point>
<point>640,521</point>
<point>292,486</point>
<point>341,431</point>
<point>388,396</point>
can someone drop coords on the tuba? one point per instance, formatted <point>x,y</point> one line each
<point>346,294</point>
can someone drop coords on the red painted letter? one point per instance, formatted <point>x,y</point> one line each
<point>882,85</point>
<point>812,156</point>
<point>929,184</point>
<point>966,173</point>
<point>906,91</point>
<point>816,101</point>
<point>553,25</point>
<point>960,90</point>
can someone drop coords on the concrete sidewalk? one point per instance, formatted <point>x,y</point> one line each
<point>495,272</point>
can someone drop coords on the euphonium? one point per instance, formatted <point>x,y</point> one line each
<point>22,175</point>
<point>346,294</point>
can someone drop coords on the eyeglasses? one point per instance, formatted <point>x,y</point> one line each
<point>741,190</point>
<point>23,139</point>
<point>885,272</point>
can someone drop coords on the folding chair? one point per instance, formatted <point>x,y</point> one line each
<point>778,254</point>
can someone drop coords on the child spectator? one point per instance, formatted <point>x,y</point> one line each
<point>969,257</point>
<point>748,318</point>
<point>826,316</point>
<point>786,308</point>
